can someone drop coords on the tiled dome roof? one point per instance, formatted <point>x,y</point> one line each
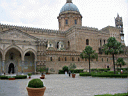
<point>69,7</point>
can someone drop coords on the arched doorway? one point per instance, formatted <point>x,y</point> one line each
<point>11,68</point>
<point>13,56</point>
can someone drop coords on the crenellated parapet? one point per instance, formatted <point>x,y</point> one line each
<point>30,29</point>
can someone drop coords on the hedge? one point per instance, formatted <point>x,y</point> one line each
<point>110,75</point>
<point>103,69</point>
<point>124,69</point>
<point>16,77</point>
<point>21,77</point>
<point>75,71</point>
<point>85,74</point>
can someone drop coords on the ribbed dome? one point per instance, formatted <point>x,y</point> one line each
<point>69,7</point>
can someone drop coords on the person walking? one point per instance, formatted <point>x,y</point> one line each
<point>69,72</point>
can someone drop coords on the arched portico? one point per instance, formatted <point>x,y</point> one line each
<point>13,54</point>
<point>30,58</point>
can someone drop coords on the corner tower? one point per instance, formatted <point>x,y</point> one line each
<point>69,15</point>
<point>119,24</point>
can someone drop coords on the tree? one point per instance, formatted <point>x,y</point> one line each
<point>89,53</point>
<point>113,47</point>
<point>120,62</point>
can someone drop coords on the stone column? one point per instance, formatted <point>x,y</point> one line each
<point>35,67</point>
<point>22,70</point>
<point>3,62</point>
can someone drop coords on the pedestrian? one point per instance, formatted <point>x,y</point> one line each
<point>69,72</point>
<point>66,73</point>
<point>121,71</point>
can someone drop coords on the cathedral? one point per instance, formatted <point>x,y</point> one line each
<point>25,49</point>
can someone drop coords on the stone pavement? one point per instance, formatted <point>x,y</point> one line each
<point>61,85</point>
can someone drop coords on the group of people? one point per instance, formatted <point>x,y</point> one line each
<point>69,73</point>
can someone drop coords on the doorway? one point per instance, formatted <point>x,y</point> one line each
<point>11,68</point>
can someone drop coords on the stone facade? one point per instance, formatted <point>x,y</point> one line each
<point>25,49</point>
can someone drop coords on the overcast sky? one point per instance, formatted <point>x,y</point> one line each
<point>43,13</point>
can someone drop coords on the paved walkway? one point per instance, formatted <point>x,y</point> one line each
<point>61,85</point>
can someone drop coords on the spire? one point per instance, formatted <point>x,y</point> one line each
<point>69,1</point>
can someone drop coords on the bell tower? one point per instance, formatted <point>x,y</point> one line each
<point>119,24</point>
<point>69,15</point>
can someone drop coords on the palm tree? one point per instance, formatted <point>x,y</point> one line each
<point>113,47</point>
<point>120,62</point>
<point>89,53</point>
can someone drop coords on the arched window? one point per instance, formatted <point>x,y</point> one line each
<point>68,44</point>
<point>50,58</point>
<point>65,59</point>
<point>87,41</point>
<point>59,59</point>
<point>57,45</point>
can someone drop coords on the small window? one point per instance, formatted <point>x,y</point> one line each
<point>104,41</point>
<point>102,59</point>
<point>85,59</point>
<point>50,58</point>
<point>68,44</point>
<point>50,45</point>
<point>100,43</point>
<point>65,59</point>
<point>62,46</point>
<point>75,21</point>
<point>66,21</point>
<point>59,24</point>
<point>59,59</point>
<point>107,59</point>
<point>72,58</point>
<point>87,42</point>
<point>78,59</point>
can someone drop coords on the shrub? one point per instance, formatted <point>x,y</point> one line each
<point>61,72</point>
<point>29,74</point>
<point>35,83</point>
<point>65,68</point>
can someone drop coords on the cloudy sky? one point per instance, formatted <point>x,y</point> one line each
<point>43,13</point>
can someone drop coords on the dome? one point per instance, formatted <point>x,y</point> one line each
<point>69,7</point>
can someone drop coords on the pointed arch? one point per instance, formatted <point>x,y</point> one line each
<point>15,47</point>
<point>31,50</point>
